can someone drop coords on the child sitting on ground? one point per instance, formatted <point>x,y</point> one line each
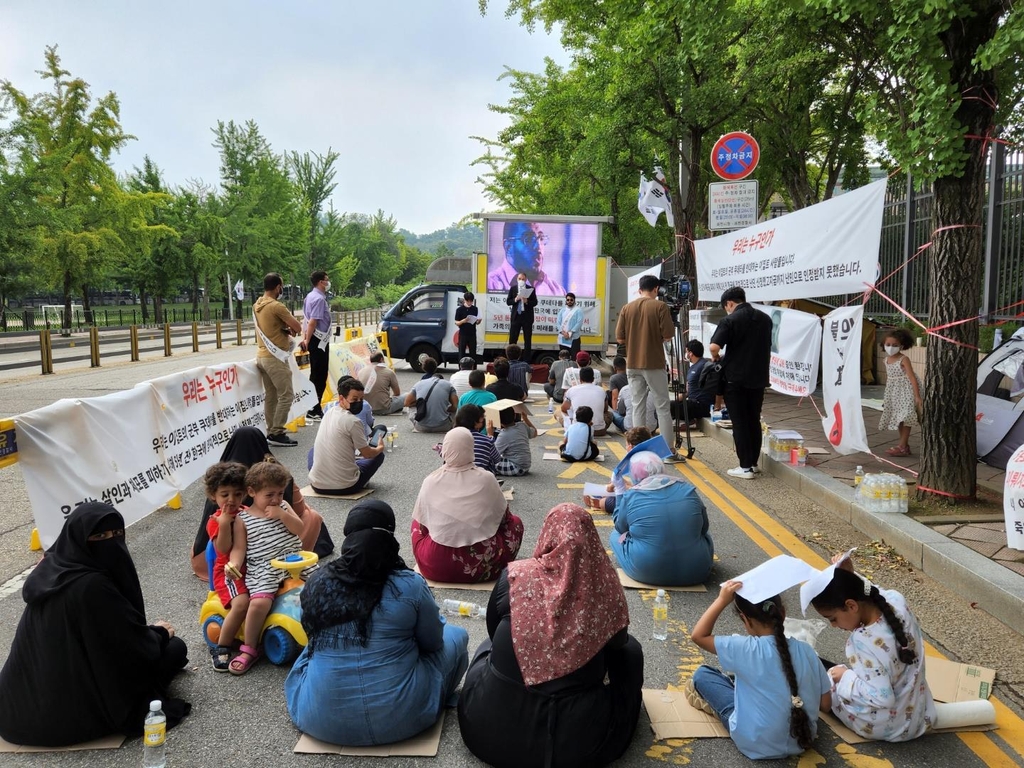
<point>882,693</point>
<point>270,529</point>
<point>485,455</point>
<point>620,483</point>
<point>513,445</point>
<point>225,487</point>
<point>771,710</point>
<point>579,444</point>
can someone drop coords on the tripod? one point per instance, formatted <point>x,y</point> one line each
<point>678,366</point>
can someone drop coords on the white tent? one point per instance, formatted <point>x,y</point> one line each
<point>1000,404</point>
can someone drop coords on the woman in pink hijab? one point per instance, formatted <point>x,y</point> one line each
<point>462,529</point>
<point>558,681</point>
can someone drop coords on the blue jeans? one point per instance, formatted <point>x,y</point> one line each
<point>452,661</point>
<point>717,690</point>
<point>618,420</point>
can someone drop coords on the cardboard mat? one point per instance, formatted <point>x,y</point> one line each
<point>424,744</point>
<point>950,683</point>
<point>108,742</point>
<point>673,718</point>
<point>629,583</point>
<point>309,492</point>
<point>480,586</point>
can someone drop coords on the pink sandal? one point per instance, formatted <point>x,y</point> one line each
<point>244,660</point>
<point>898,450</point>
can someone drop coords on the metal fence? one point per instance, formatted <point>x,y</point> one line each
<point>907,226</point>
<point>31,319</point>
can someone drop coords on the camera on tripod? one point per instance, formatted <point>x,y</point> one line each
<point>674,291</point>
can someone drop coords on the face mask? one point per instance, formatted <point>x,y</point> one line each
<point>522,283</point>
<point>891,350</point>
<point>328,286</point>
<point>355,408</point>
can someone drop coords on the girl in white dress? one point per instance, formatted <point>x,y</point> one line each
<point>902,391</point>
<point>881,693</point>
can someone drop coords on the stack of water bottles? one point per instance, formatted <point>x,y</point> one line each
<point>884,494</point>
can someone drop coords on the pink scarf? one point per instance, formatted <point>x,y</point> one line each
<point>566,601</point>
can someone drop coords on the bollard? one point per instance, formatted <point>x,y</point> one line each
<point>238,325</point>
<point>167,339</point>
<point>94,347</point>
<point>46,350</point>
<point>133,340</point>
<point>220,343</point>
<point>195,336</point>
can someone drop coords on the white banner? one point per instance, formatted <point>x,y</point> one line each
<point>633,283</point>
<point>840,374</point>
<point>498,314</point>
<point>1013,500</point>
<point>796,350</point>
<point>136,449</point>
<point>822,250</point>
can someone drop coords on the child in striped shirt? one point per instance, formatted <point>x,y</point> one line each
<point>270,530</point>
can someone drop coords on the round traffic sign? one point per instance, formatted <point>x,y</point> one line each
<point>735,156</point>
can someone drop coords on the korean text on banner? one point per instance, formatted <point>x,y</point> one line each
<point>1013,500</point>
<point>633,283</point>
<point>840,375</point>
<point>822,250</point>
<point>498,315</point>
<point>796,350</point>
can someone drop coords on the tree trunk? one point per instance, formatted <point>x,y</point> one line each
<point>206,297</point>
<point>158,308</point>
<point>67,303</point>
<point>949,462</point>
<point>86,305</point>
<point>686,218</point>
<point>144,299</point>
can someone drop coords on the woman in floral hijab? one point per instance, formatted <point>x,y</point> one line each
<point>535,693</point>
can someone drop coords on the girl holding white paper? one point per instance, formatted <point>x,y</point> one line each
<point>771,710</point>
<point>882,692</point>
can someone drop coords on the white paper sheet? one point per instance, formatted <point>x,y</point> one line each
<point>597,490</point>
<point>773,578</point>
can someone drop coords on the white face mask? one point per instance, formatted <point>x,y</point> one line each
<point>891,350</point>
<point>328,286</point>
<point>522,283</point>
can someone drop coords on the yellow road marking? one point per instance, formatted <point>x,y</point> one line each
<point>569,486</point>
<point>577,469</point>
<point>752,520</point>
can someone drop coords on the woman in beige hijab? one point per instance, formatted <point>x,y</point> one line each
<point>462,529</point>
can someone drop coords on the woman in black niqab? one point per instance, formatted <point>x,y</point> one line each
<point>83,647</point>
<point>249,446</point>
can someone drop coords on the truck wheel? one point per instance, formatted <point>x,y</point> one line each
<point>417,351</point>
<point>279,647</point>
<point>547,358</point>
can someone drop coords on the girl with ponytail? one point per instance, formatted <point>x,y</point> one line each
<point>882,692</point>
<point>771,710</point>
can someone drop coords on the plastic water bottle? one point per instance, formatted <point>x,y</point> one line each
<point>154,735</point>
<point>858,478</point>
<point>460,608</point>
<point>551,405</point>
<point>715,415</point>
<point>661,616</point>
<point>904,497</point>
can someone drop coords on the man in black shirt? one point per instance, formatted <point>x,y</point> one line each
<point>466,317</point>
<point>504,389</point>
<point>747,335</point>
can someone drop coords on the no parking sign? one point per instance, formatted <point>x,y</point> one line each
<point>735,156</point>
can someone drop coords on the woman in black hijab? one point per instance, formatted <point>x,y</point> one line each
<point>249,446</point>
<point>83,648</point>
<point>381,662</point>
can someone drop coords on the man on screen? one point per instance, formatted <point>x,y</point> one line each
<point>524,252</point>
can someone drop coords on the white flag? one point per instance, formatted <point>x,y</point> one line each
<point>840,375</point>
<point>649,213</point>
<point>654,200</point>
<point>239,290</point>
<point>669,218</point>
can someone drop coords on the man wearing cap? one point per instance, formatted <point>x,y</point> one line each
<point>571,377</point>
<point>644,325</point>
<point>570,325</point>
<point>746,333</point>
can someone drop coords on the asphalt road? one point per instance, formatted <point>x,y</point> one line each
<point>242,721</point>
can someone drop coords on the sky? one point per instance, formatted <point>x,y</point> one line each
<point>397,88</point>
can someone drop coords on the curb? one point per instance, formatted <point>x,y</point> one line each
<point>975,578</point>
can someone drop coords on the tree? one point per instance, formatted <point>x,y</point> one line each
<point>73,140</point>
<point>314,176</point>
<point>264,226</point>
<point>151,256</point>
<point>947,72</point>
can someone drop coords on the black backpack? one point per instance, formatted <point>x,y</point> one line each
<point>711,380</point>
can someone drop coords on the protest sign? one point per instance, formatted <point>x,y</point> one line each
<point>1013,500</point>
<point>840,373</point>
<point>796,350</point>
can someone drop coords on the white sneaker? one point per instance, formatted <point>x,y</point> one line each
<point>740,472</point>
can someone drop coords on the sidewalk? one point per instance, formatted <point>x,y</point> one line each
<point>968,554</point>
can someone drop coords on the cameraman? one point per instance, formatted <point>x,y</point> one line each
<point>644,325</point>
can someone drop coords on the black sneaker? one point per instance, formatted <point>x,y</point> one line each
<point>311,416</point>
<point>282,440</point>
